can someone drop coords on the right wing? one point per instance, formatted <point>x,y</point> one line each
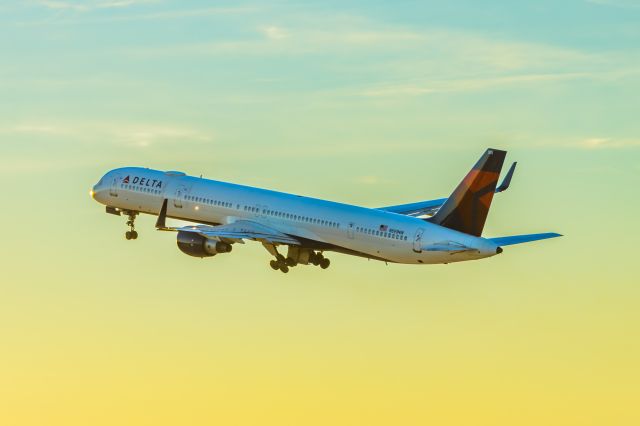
<point>431,207</point>
<point>421,208</point>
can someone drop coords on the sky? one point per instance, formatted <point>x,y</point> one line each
<point>366,102</point>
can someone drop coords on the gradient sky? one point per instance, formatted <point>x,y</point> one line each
<point>368,102</point>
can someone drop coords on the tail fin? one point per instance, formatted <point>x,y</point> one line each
<point>467,208</point>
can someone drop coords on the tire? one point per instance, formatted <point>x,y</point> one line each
<point>324,264</point>
<point>291,262</point>
<point>127,235</point>
<point>274,265</point>
<point>134,235</point>
<point>285,269</point>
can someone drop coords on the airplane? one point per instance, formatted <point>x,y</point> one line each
<point>439,231</point>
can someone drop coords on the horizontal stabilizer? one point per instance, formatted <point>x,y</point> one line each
<point>519,239</point>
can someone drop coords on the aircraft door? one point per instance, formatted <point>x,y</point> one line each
<point>350,230</point>
<point>181,193</point>
<point>113,190</point>
<point>417,241</point>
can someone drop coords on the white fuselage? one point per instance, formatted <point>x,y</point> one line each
<point>368,232</point>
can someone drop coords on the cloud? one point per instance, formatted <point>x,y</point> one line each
<point>608,143</point>
<point>91,5</point>
<point>274,33</point>
<point>125,134</point>
<point>277,40</point>
<point>450,60</point>
<point>368,180</point>
<point>190,13</point>
<point>465,85</point>
<point>144,136</point>
<point>71,19</point>
<point>36,129</point>
<point>629,4</point>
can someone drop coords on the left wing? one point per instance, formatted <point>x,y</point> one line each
<point>230,233</point>
<point>241,230</point>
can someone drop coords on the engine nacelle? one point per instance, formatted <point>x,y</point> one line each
<point>198,246</point>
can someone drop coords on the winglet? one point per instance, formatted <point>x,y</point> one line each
<point>162,217</point>
<point>507,179</point>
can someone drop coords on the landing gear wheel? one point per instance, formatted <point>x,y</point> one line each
<point>128,235</point>
<point>290,262</point>
<point>281,263</point>
<point>134,235</point>
<point>324,263</point>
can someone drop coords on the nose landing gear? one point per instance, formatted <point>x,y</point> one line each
<point>131,234</point>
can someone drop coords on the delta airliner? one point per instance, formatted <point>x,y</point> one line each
<point>428,232</point>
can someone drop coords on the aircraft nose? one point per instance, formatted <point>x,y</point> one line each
<point>93,191</point>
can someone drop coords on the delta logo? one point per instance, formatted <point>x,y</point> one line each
<point>136,180</point>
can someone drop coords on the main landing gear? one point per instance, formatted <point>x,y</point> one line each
<point>281,264</point>
<point>131,234</point>
<point>318,259</point>
<point>295,257</point>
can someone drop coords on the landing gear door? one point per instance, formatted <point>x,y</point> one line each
<point>417,241</point>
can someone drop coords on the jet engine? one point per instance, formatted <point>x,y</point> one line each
<point>198,246</point>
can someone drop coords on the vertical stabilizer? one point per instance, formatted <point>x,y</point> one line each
<point>467,208</point>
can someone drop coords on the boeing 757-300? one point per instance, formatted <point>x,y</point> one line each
<point>223,214</point>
